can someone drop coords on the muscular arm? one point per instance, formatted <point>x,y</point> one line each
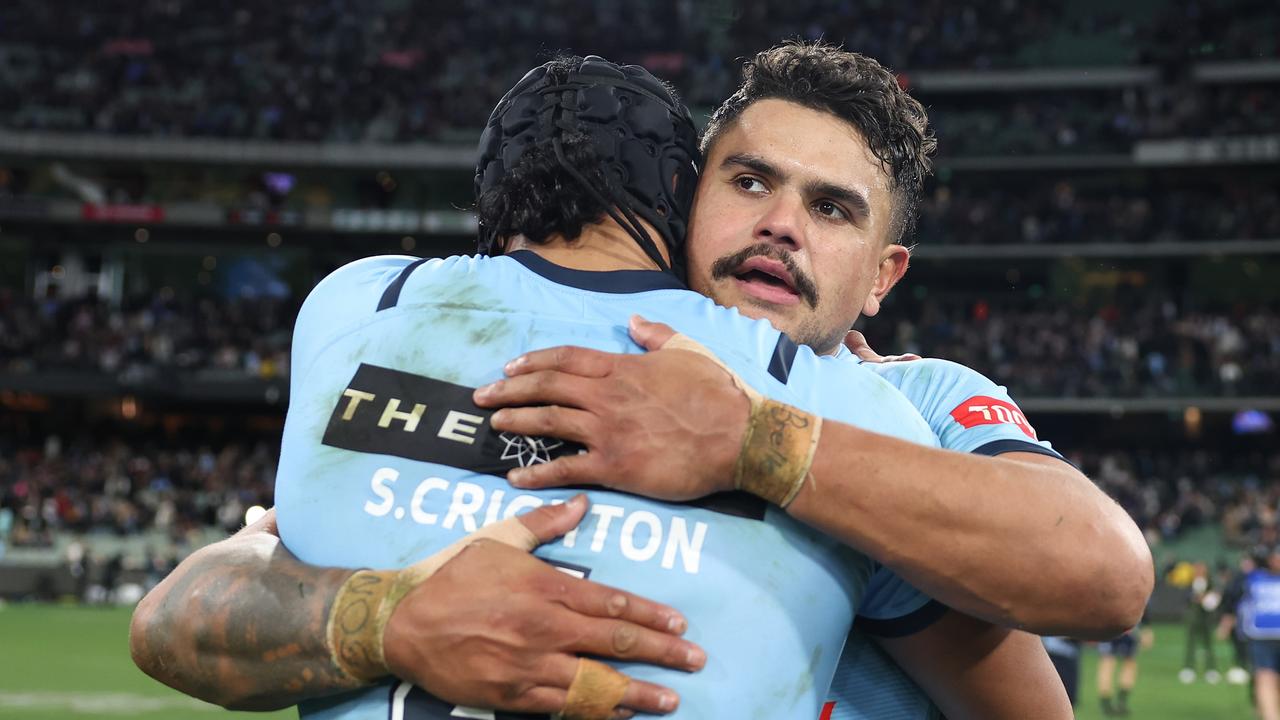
<point>972,669</point>
<point>1022,540</point>
<point>241,623</point>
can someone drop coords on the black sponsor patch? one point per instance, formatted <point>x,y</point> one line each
<point>390,412</point>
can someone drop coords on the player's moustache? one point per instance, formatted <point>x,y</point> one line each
<point>728,265</point>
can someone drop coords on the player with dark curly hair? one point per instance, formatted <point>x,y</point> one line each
<point>812,172</point>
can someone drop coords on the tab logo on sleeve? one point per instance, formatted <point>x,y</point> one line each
<point>983,410</point>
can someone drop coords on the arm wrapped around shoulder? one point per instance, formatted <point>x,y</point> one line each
<point>364,603</point>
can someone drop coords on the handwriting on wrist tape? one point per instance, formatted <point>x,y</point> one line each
<point>777,451</point>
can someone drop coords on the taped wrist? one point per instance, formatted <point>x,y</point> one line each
<point>779,445</point>
<point>364,603</point>
<point>777,451</point>
<point>354,631</point>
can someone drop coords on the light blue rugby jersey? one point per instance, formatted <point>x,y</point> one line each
<point>968,413</point>
<point>385,461</point>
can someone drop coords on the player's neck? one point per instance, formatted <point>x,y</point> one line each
<point>600,247</point>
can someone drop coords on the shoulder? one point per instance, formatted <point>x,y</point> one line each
<point>366,277</point>
<point>932,373</point>
<point>345,298</point>
<point>938,387</point>
<point>360,288</point>
<point>969,411</point>
<point>842,389</point>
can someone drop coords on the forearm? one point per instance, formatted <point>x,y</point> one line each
<point>972,669</point>
<point>1022,543</point>
<point>241,623</point>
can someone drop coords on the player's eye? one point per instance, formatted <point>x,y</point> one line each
<point>746,183</point>
<point>830,209</point>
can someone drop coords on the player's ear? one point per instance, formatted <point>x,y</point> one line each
<point>894,260</point>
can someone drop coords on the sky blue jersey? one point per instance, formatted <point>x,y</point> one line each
<point>968,413</point>
<point>385,461</point>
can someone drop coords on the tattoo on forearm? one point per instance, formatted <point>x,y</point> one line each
<point>238,633</point>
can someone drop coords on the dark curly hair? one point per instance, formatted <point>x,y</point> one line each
<point>538,198</point>
<point>854,88</point>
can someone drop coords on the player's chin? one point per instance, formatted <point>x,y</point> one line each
<point>782,317</point>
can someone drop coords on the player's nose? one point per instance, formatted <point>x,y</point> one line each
<point>782,222</point>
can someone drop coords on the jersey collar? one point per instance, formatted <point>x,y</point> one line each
<point>611,281</point>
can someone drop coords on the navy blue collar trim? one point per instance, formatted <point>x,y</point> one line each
<point>612,281</point>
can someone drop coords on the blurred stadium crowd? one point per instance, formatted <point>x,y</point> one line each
<point>341,70</point>
<point>114,487</point>
<point>1147,346</point>
<point>1171,493</point>
<point>1090,212</point>
<point>146,336</point>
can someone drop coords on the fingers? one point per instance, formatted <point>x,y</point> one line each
<point>566,358</point>
<point>551,521</point>
<point>547,421</point>
<point>580,469</point>
<point>627,641</point>
<point>539,387</point>
<point>857,344</point>
<point>650,335</point>
<point>640,696</point>
<point>646,697</point>
<point>601,601</point>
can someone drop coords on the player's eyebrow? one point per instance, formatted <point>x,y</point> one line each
<point>754,163</point>
<point>857,203</point>
<point>854,200</point>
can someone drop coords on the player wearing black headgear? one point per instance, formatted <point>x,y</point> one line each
<point>570,114</point>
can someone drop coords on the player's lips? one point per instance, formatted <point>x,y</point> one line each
<point>767,280</point>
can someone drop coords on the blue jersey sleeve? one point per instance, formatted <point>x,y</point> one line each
<point>893,608</point>
<point>967,411</point>
<point>337,305</point>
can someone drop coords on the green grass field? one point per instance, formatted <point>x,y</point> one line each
<point>1158,694</point>
<point>72,662</point>
<point>69,662</point>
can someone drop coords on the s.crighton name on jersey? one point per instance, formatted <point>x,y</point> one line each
<point>420,418</point>
<point>638,535</point>
<point>983,410</point>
